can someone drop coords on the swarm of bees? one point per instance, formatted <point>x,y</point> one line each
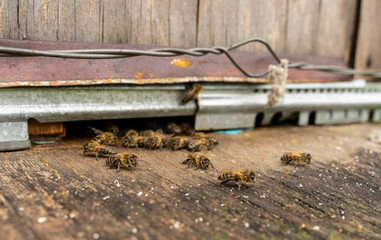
<point>175,137</point>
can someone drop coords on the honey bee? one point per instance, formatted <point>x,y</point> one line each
<point>176,143</point>
<point>186,129</point>
<point>132,133</point>
<point>134,141</point>
<point>126,160</point>
<point>147,133</point>
<point>296,158</point>
<point>173,128</point>
<point>112,128</point>
<point>192,92</point>
<point>199,161</point>
<point>212,141</point>
<point>96,149</point>
<point>156,141</point>
<point>196,145</point>
<point>103,138</point>
<point>240,177</point>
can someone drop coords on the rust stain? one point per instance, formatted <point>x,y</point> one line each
<point>140,80</point>
<point>179,62</point>
<point>138,75</point>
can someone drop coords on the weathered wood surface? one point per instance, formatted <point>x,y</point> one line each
<point>54,192</point>
<point>368,52</point>
<point>319,27</point>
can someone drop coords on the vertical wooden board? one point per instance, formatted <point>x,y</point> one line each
<point>114,21</point>
<point>336,28</point>
<point>368,52</point>
<point>66,20</point>
<point>182,21</point>
<point>217,23</point>
<point>149,22</point>
<point>45,20</point>
<point>302,25</point>
<point>261,19</point>
<point>228,22</point>
<point>88,23</point>
<point>8,19</point>
<point>25,14</point>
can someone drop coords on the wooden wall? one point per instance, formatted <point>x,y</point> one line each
<point>313,27</point>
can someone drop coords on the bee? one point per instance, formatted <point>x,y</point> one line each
<point>147,133</point>
<point>186,129</point>
<point>176,143</point>
<point>103,138</point>
<point>199,161</point>
<point>173,128</point>
<point>96,149</point>
<point>196,145</point>
<point>212,141</point>
<point>296,158</point>
<point>156,141</point>
<point>126,160</point>
<point>134,141</point>
<point>112,128</point>
<point>192,92</point>
<point>240,177</point>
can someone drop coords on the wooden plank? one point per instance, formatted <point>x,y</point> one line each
<point>45,20</point>
<point>227,22</point>
<point>182,23</point>
<point>66,20</point>
<point>55,192</point>
<point>36,128</point>
<point>88,24</point>
<point>149,22</point>
<point>335,28</point>
<point>302,25</point>
<point>8,19</point>
<point>368,52</point>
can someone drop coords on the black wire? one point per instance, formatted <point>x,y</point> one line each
<point>171,52</point>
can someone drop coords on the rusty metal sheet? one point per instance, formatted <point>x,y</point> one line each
<point>43,71</point>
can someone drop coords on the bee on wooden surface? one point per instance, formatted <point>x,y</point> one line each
<point>296,158</point>
<point>126,160</point>
<point>240,177</point>
<point>156,141</point>
<point>212,141</point>
<point>173,128</point>
<point>199,161</point>
<point>103,138</point>
<point>95,149</point>
<point>112,128</point>
<point>192,92</point>
<point>176,143</point>
<point>186,129</point>
<point>134,141</point>
<point>147,133</point>
<point>196,145</point>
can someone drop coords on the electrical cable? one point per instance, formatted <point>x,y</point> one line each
<point>171,52</point>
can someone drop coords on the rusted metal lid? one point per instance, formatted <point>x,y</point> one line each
<point>44,71</point>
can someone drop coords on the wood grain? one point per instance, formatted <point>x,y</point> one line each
<point>318,27</point>
<point>368,52</point>
<point>55,192</point>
